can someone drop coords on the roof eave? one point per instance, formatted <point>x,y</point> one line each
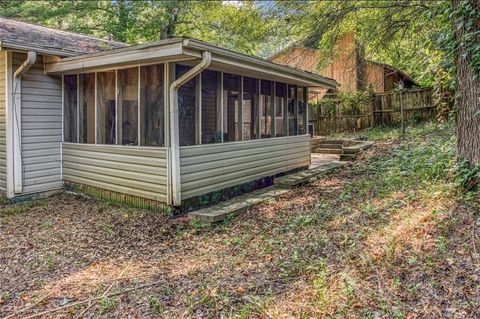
<point>226,56</point>
<point>16,46</point>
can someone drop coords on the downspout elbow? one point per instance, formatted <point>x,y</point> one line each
<point>174,134</point>
<point>22,69</point>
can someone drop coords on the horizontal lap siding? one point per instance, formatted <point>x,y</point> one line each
<point>3,148</point>
<point>135,171</point>
<point>208,168</point>
<point>41,128</point>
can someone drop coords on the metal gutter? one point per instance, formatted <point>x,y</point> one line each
<point>174,127</point>
<point>16,46</point>
<point>17,120</point>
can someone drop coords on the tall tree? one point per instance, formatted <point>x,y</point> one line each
<point>466,29</point>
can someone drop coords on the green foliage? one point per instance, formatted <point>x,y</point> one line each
<point>245,27</point>
<point>466,16</point>
<point>467,176</point>
<point>344,103</point>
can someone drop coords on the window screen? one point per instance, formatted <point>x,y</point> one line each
<point>210,111</point>
<point>127,107</point>
<point>106,107</point>
<point>302,109</point>
<point>86,102</point>
<point>186,107</point>
<point>152,105</point>
<point>70,108</point>
<point>231,109</point>
<point>280,94</point>
<point>292,110</point>
<point>266,108</point>
<point>249,108</point>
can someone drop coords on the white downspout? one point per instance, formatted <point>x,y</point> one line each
<point>17,120</point>
<point>174,134</point>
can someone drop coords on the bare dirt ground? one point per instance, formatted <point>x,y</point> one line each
<point>359,243</point>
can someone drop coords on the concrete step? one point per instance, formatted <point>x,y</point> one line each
<point>327,150</point>
<point>290,180</point>
<point>235,206</point>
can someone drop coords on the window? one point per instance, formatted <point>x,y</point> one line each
<point>250,108</point>
<point>231,109</point>
<point>106,107</point>
<point>280,94</point>
<point>266,109</point>
<point>302,109</point>
<point>70,108</point>
<point>127,106</point>
<point>292,110</point>
<point>86,103</point>
<point>210,109</point>
<point>186,107</point>
<point>152,105</point>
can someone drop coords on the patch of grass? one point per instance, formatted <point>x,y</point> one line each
<point>107,305</point>
<point>20,208</point>
<point>156,307</point>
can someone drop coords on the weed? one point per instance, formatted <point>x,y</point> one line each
<point>106,228</point>
<point>155,305</point>
<point>107,305</point>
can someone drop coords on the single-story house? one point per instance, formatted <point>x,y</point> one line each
<point>164,121</point>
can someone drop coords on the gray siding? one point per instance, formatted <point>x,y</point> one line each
<point>136,171</point>
<point>207,168</point>
<point>41,128</point>
<point>3,147</point>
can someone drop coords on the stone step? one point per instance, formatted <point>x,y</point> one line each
<point>327,150</point>
<point>334,146</point>
<point>235,206</point>
<point>347,157</point>
<point>290,180</point>
<point>332,142</point>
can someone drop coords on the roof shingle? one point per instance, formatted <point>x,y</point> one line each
<point>13,32</point>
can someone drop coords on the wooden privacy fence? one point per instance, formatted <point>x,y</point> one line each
<point>334,113</point>
<point>417,106</point>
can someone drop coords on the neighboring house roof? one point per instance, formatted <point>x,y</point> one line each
<point>393,69</point>
<point>26,36</point>
<point>188,49</point>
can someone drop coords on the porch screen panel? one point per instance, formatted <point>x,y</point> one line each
<point>152,105</point>
<point>86,102</point>
<point>292,110</point>
<point>280,93</point>
<point>302,109</point>
<point>127,107</point>
<point>106,107</point>
<point>186,108</point>
<point>231,107</point>
<point>70,108</point>
<point>249,108</point>
<point>210,100</point>
<point>266,108</point>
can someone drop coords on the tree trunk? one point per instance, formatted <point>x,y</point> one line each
<point>467,91</point>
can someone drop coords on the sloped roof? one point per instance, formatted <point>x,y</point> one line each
<point>20,35</point>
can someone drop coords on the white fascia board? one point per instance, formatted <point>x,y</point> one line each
<point>118,58</point>
<point>258,65</point>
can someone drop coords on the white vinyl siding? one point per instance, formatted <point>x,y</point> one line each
<point>212,167</point>
<point>41,128</point>
<point>131,170</point>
